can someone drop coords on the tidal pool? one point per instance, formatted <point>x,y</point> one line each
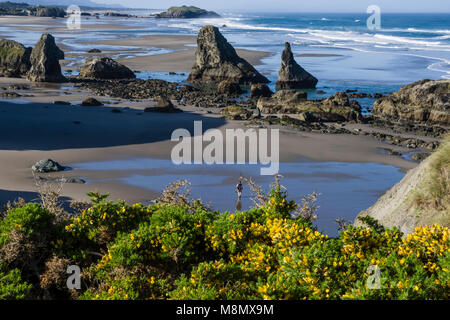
<point>345,188</point>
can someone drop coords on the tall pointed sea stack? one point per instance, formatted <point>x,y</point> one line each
<point>292,75</point>
<point>217,60</point>
<point>45,61</point>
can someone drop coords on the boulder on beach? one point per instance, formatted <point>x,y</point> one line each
<point>229,87</point>
<point>217,60</point>
<point>91,102</point>
<point>14,58</point>
<point>44,60</point>
<point>259,90</point>
<point>337,108</point>
<point>421,101</point>
<point>95,50</point>
<point>47,165</point>
<point>292,75</point>
<point>163,105</point>
<point>105,69</point>
<point>186,12</point>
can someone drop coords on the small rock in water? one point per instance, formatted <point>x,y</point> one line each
<point>47,165</point>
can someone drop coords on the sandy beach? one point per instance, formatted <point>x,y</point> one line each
<point>36,128</point>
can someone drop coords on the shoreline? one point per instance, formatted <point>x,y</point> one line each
<point>74,134</point>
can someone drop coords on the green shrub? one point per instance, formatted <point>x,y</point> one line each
<point>11,285</point>
<point>32,219</point>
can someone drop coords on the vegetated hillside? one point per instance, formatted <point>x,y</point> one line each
<point>422,197</point>
<point>178,249</point>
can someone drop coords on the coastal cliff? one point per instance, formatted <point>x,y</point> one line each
<point>421,198</point>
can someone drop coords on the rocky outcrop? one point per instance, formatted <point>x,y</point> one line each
<point>47,165</point>
<point>337,108</point>
<point>229,87</point>
<point>217,60</point>
<point>259,90</point>
<point>421,198</point>
<point>14,59</point>
<point>186,12</point>
<point>236,113</point>
<point>292,75</point>
<point>105,69</point>
<point>44,60</point>
<point>50,12</point>
<point>422,101</point>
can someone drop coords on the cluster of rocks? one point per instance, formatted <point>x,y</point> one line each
<point>360,95</point>
<point>424,101</point>
<point>337,108</point>
<point>411,143</point>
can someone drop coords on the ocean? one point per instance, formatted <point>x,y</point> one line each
<point>407,48</point>
<point>338,49</point>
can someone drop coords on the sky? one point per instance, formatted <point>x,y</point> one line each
<point>294,5</point>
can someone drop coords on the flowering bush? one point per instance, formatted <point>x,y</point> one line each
<point>172,251</point>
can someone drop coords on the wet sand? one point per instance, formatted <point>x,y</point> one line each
<point>74,134</point>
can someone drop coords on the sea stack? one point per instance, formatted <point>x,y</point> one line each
<point>292,75</point>
<point>217,60</point>
<point>45,61</point>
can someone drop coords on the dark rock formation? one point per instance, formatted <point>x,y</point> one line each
<point>229,87</point>
<point>95,50</point>
<point>105,68</point>
<point>14,59</point>
<point>44,60</point>
<point>292,75</point>
<point>216,60</point>
<point>47,165</point>
<point>259,90</point>
<point>422,101</point>
<point>185,12</point>
<point>91,102</point>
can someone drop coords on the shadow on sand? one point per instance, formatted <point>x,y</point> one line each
<point>44,126</point>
